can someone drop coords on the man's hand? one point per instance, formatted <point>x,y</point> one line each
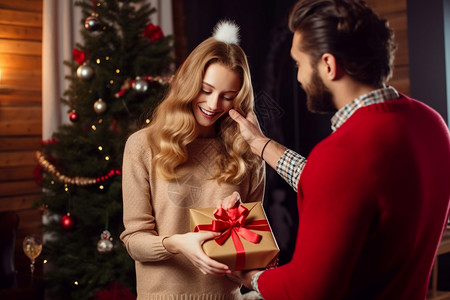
<point>243,277</point>
<point>250,130</point>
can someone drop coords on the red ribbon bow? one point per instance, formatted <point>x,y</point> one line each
<point>232,222</point>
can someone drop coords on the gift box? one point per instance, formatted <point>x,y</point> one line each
<point>246,241</point>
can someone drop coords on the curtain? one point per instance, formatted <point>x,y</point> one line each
<point>60,32</point>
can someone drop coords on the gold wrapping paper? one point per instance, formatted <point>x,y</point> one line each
<point>257,256</point>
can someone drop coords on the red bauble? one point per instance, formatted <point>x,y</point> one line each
<point>73,116</point>
<point>67,222</point>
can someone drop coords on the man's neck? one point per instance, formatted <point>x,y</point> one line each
<point>345,90</point>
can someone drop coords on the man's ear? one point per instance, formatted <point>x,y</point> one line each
<point>331,67</point>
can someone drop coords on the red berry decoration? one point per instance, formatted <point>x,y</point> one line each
<point>73,116</point>
<point>67,222</point>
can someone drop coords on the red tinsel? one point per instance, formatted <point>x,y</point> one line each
<point>153,32</point>
<point>115,291</point>
<point>37,174</point>
<point>50,142</point>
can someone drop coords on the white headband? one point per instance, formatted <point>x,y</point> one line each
<point>226,31</point>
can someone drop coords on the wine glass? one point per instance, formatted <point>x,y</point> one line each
<point>32,247</point>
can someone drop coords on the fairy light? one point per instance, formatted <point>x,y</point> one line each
<point>100,121</point>
<point>100,148</point>
<point>98,61</point>
<point>106,157</point>
<point>117,71</point>
<point>111,81</point>
<point>94,128</point>
<point>107,58</point>
<point>101,187</point>
<point>75,282</point>
<point>147,121</point>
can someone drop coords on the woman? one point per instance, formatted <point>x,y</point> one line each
<point>190,156</point>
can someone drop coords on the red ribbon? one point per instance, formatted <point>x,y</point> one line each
<point>232,222</point>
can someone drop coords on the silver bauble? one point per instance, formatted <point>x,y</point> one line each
<point>85,72</point>
<point>140,85</point>
<point>105,245</point>
<point>92,23</point>
<point>100,106</point>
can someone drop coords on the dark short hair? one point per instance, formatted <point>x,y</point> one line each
<point>361,41</point>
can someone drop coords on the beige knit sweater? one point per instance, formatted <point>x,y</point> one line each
<point>154,209</point>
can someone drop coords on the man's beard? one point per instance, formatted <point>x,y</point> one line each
<point>318,97</point>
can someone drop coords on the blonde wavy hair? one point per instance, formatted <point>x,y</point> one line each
<point>174,125</point>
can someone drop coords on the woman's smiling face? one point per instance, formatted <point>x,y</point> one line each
<point>220,87</point>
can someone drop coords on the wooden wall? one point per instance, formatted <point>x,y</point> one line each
<point>395,12</point>
<point>20,114</point>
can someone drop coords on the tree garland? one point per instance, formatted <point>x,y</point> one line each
<point>80,181</point>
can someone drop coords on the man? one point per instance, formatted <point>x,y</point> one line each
<point>373,197</point>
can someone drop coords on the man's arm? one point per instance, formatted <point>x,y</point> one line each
<point>288,164</point>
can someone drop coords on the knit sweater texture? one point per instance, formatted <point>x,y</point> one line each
<point>373,201</point>
<point>155,209</point>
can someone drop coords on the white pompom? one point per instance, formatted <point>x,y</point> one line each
<point>227,32</point>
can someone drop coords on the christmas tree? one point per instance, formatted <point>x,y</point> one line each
<point>119,74</point>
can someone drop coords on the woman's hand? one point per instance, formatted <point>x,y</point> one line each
<point>230,201</point>
<point>190,245</point>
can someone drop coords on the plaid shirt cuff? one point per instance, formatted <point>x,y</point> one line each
<point>290,166</point>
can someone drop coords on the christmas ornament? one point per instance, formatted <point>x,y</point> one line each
<point>85,72</point>
<point>153,33</point>
<point>74,116</point>
<point>92,23</point>
<point>100,106</point>
<point>105,245</point>
<point>140,85</point>
<point>78,55</point>
<point>148,79</point>
<point>67,222</point>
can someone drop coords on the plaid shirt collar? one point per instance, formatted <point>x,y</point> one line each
<point>376,96</point>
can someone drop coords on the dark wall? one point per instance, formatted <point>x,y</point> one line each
<point>426,41</point>
<point>428,78</point>
<point>279,100</point>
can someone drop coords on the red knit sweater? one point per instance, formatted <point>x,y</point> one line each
<point>373,200</point>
